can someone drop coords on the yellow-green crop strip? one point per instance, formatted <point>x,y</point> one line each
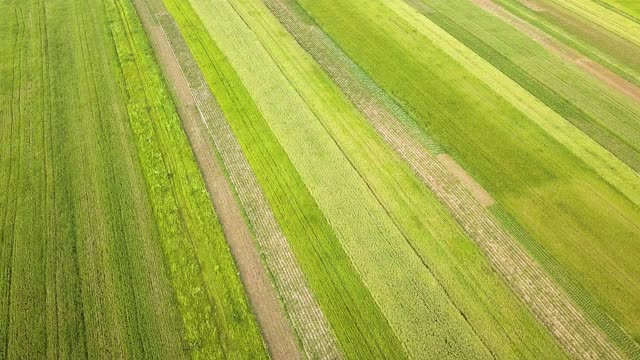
<point>595,42</point>
<point>614,22</point>
<point>628,8</point>
<point>609,117</point>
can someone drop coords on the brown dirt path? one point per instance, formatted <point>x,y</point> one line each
<point>275,328</point>
<point>565,52</point>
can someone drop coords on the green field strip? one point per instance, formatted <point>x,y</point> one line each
<point>618,174</point>
<point>62,303</point>
<point>326,186</point>
<point>355,318</point>
<point>598,44</point>
<point>226,327</point>
<point>615,333</point>
<point>468,119</point>
<point>438,241</point>
<point>17,236</point>
<point>97,262</point>
<point>628,8</point>
<point>304,313</point>
<point>292,15</point>
<point>573,289</point>
<point>609,118</point>
<point>467,212</point>
<point>485,71</point>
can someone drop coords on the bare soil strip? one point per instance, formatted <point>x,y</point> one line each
<point>479,193</point>
<point>208,132</point>
<point>547,301</point>
<point>565,52</point>
<point>277,333</point>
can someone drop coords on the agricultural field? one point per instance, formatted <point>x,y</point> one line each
<point>321,179</point>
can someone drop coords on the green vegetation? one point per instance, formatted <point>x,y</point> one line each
<point>575,291</point>
<point>110,246</point>
<point>609,20</point>
<point>420,179</point>
<point>609,118</point>
<point>418,213</point>
<point>629,8</point>
<point>536,178</point>
<point>346,302</point>
<point>598,44</point>
<point>424,223</point>
<point>376,247</point>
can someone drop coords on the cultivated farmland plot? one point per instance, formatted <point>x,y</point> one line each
<point>321,179</point>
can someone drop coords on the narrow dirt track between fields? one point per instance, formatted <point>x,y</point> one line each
<point>264,301</point>
<point>550,304</point>
<point>565,52</point>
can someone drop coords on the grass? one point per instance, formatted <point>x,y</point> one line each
<point>538,180</point>
<point>112,246</point>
